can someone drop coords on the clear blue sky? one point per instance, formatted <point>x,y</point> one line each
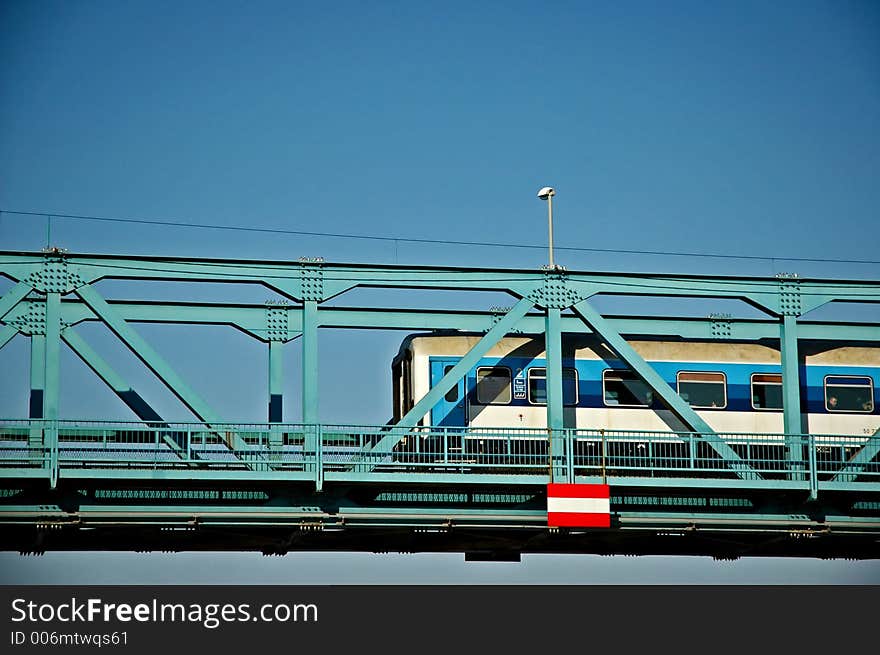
<point>746,128</point>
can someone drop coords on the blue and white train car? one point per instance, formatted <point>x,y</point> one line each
<point>734,387</point>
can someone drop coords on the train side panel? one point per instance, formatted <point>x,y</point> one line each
<point>852,373</point>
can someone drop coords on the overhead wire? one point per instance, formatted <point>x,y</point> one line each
<point>450,242</point>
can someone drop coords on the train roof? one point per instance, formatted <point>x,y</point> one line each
<point>590,346</point>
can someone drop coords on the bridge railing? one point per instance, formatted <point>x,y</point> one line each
<point>53,449</point>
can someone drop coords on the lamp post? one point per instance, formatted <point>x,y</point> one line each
<point>547,193</point>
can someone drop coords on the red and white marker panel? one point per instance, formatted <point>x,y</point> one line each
<point>578,506</point>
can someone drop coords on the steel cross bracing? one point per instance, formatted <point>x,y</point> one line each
<point>53,292</point>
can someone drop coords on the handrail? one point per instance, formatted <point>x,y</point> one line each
<point>320,452</point>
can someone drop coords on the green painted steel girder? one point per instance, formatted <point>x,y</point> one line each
<point>133,400</point>
<point>95,362</point>
<point>154,361</point>
<point>288,277</point>
<point>37,375</point>
<point>776,296</point>
<point>310,362</point>
<point>53,356</point>
<point>653,379</point>
<point>14,296</point>
<point>791,394</point>
<point>456,373</point>
<point>276,381</point>
<point>147,355</point>
<point>7,333</point>
<point>860,459</point>
<point>315,282</point>
<point>251,320</point>
<point>553,381</point>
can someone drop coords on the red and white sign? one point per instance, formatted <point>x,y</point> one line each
<point>578,506</point>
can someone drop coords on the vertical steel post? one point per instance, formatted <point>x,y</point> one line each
<point>52,379</point>
<point>276,380</point>
<point>310,374</point>
<point>569,450</point>
<point>813,469</point>
<point>38,390</point>
<point>319,457</point>
<point>553,350</point>
<point>791,395</point>
<point>553,382</point>
<point>276,398</point>
<point>38,375</point>
<point>53,355</point>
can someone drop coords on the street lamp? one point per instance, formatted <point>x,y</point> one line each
<point>547,194</point>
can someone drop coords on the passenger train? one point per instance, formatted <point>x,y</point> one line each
<point>733,387</point>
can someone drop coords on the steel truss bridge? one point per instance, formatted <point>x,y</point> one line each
<point>219,484</point>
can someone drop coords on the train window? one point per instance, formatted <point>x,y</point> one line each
<point>493,385</point>
<point>451,395</point>
<point>849,394</point>
<point>708,390</point>
<point>766,391</point>
<point>538,386</point>
<point>625,389</point>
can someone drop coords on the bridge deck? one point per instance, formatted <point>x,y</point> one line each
<point>277,487</point>
<point>322,453</point>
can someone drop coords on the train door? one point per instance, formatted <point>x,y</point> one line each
<point>451,410</point>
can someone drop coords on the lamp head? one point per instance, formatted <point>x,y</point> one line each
<point>546,192</point>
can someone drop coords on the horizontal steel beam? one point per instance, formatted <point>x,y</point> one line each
<point>336,278</point>
<point>252,319</point>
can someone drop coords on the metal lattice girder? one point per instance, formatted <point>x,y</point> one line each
<point>7,333</point>
<point>154,361</point>
<point>310,362</point>
<point>776,296</point>
<point>790,375</point>
<point>53,356</point>
<point>14,296</point>
<point>251,320</point>
<point>133,400</point>
<point>553,382</point>
<point>860,460</point>
<point>285,277</point>
<point>276,378</point>
<point>38,386</point>
<point>312,435</point>
<point>553,379</point>
<point>791,392</point>
<point>685,327</point>
<point>37,375</point>
<point>653,379</point>
<point>455,374</point>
